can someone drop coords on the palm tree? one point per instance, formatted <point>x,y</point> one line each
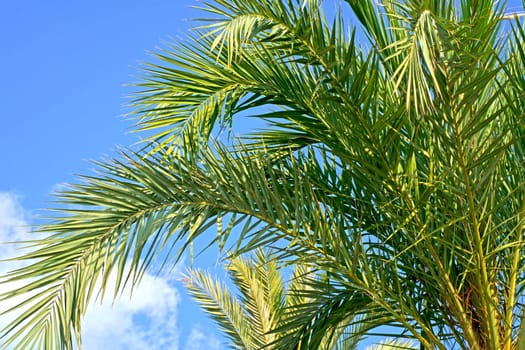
<point>251,316</point>
<point>393,167</point>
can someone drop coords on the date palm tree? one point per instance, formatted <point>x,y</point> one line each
<point>392,163</point>
<point>251,315</point>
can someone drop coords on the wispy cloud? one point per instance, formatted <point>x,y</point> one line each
<point>198,340</point>
<point>14,226</point>
<point>145,320</point>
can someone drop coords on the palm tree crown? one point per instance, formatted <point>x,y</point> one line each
<point>394,168</point>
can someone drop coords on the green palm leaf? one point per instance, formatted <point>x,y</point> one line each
<point>222,306</point>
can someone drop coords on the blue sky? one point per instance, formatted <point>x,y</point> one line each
<point>63,67</point>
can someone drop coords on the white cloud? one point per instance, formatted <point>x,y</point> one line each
<point>198,340</point>
<point>13,226</point>
<point>58,188</point>
<point>145,320</point>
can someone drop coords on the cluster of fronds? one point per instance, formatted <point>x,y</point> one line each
<point>394,169</point>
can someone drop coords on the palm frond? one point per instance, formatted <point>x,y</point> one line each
<point>223,308</point>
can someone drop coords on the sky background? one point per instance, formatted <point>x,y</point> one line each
<point>63,70</point>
